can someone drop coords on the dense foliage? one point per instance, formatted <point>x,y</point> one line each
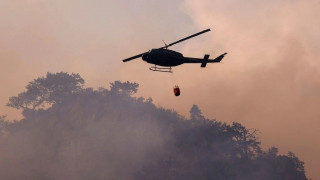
<point>72,132</point>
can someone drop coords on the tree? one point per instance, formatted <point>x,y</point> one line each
<point>195,113</point>
<point>47,90</point>
<point>246,140</point>
<point>24,100</point>
<point>3,123</point>
<point>272,153</point>
<point>126,88</point>
<point>299,165</point>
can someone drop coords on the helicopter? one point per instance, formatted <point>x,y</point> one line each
<point>167,59</point>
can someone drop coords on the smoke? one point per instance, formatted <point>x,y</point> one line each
<point>86,138</point>
<point>270,78</point>
<point>108,134</point>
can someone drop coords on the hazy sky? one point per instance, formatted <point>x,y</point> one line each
<point>269,80</point>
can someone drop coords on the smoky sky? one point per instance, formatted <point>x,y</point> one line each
<point>269,80</point>
<point>272,79</point>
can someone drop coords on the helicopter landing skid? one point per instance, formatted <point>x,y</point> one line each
<point>161,69</point>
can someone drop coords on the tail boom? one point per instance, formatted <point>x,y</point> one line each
<point>204,61</point>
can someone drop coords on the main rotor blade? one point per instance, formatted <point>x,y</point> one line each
<point>134,57</point>
<point>197,34</point>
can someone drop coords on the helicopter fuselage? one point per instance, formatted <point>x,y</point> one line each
<point>163,57</point>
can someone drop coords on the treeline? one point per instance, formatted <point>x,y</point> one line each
<point>72,132</point>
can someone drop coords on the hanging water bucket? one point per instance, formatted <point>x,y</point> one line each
<point>176,91</point>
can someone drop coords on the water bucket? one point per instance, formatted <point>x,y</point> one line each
<point>176,91</point>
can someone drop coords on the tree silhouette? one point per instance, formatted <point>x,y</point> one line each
<point>195,113</point>
<point>299,165</point>
<point>126,88</point>
<point>47,90</point>
<point>246,140</point>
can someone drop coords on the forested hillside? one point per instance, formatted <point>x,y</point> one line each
<point>70,131</point>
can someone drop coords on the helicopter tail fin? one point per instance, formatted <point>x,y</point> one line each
<point>219,58</point>
<point>205,60</point>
